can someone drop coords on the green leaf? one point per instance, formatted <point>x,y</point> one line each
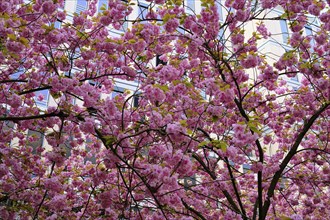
<point>24,41</point>
<point>226,87</point>
<point>162,87</point>
<point>215,118</point>
<point>109,140</point>
<point>183,123</point>
<point>254,129</point>
<point>203,143</point>
<point>166,17</point>
<point>253,125</point>
<point>283,217</point>
<point>220,145</point>
<point>188,84</point>
<point>103,7</point>
<point>11,36</point>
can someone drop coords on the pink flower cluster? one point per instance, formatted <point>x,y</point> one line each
<point>250,61</point>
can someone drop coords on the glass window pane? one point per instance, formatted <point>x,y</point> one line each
<point>143,11</point>
<point>81,6</point>
<point>285,31</point>
<point>35,140</point>
<point>57,24</point>
<point>117,91</point>
<point>219,8</point>
<point>41,98</point>
<point>309,32</point>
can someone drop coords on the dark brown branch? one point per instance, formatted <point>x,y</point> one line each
<point>110,147</point>
<point>261,156</point>
<point>13,81</point>
<point>232,178</point>
<point>22,118</point>
<point>192,210</point>
<point>288,157</point>
<point>89,198</point>
<point>45,194</point>
<point>34,90</point>
<point>213,176</point>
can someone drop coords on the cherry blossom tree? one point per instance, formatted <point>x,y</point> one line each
<point>213,129</point>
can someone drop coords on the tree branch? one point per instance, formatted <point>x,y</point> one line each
<point>288,157</point>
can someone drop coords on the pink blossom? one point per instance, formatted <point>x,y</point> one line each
<point>14,46</point>
<point>53,184</point>
<point>325,17</point>
<point>3,170</point>
<point>171,25</point>
<point>139,46</point>
<point>262,29</point>
<point>88,55</point>
<point>78,20</point>
<point>256,167</point>
<point>321,38</point>
<point>242,15</point>
<point>129,71</point>
<point>58,202</point>
<point>250,62</point>
<point>237,39</point>
<point>173,128</point>
<point>56,157</point>
<point>231,151</point>
<point>105,199</point>
<point>4,6</point>
<point>52,217</point>
<point>314,9</point>
<point>48,7</point>
<point>61,15</point>
<point>160,2</point>
<point>105,20</point>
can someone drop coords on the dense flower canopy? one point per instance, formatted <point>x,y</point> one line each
<point>213,128</point>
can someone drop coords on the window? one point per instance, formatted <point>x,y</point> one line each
<point>219,9</point>
<point>221,35</point>
<point>6,127</point>
<point>159,61</point>
<point>283,183</point>
<point>295,78</point>
<point>285,31</point>
<point>190,6</point>
<point>58,24</point>
<point>17,74</point>
<point>189,181</point>
<point>136,100</point>
<point>35,140</point>
<point>41,98</point>
<point>309,32</point>
<point>255,4</point>
<point>117,91</point>
<point>203,93</point>
<point>143,11</point>
<point>231,163</point>
<point>66,146</point>
<point>94,83</point>
<point>246,168</point>
<point>71,72</point>
<point>91,158</point>
<point>81,6</point>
